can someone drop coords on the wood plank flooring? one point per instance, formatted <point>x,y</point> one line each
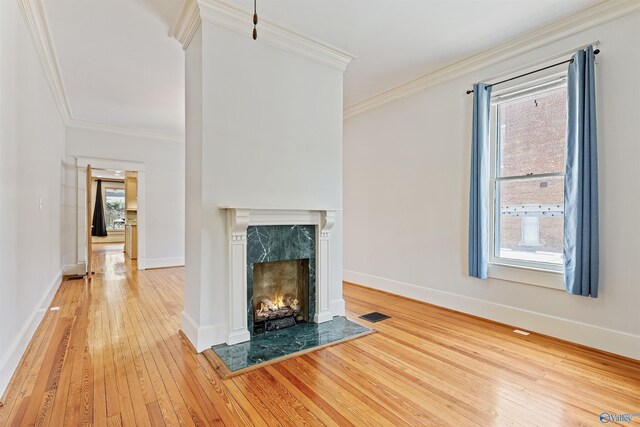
<point>112,355</point>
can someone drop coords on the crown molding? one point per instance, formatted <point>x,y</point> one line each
<point>123,130</point>
<point>36,20</point>
<point>234,18</point>
<point>583,20</point>
<point>186,24</point>
<point>231,17</point>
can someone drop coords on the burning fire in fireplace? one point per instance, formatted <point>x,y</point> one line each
<point>278,307</point>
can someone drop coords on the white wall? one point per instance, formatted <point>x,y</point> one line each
<point>271,137</point>
<point>406,202</point>
<point>193,158</point>
<point>164,185</point>
<point>32,137</point>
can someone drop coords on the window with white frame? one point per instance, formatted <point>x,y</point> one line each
<point>527,188</point>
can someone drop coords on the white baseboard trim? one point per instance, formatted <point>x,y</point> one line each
<point>72,269</point>
<point>238,337</point>
<point>610,340</point>
<point>337,307</point>
<point>203,337</point>
<point>16,350</point>
<point>148,263</point>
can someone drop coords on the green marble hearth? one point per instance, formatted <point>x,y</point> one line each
<point>287,342</point>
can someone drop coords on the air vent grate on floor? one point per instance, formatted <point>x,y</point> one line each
<point>375,317</point>
<point>70,278</point>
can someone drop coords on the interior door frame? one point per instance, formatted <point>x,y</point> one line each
<point>112,164</point>
<point>89,225</point>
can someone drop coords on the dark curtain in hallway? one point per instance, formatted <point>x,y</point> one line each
<point>99,226</point>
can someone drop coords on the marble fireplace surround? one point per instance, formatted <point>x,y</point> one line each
<point>238,221</point>
<point>277,243</point>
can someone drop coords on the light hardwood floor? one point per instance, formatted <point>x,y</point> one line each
<point>112,355</point>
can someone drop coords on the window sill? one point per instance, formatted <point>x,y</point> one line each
<point>529,276</point>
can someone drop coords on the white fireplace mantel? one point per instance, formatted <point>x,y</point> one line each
<point>238,220</point>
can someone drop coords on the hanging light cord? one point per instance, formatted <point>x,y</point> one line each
<point>255,21</point>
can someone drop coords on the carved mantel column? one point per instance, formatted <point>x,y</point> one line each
<point>323,314</point>
<point>238,220</point>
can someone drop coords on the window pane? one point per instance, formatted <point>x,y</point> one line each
<point>114,208</point>
<point>530,224</point>
<point>532,134</point>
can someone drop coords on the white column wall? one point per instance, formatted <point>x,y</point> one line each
<point>271,137</point>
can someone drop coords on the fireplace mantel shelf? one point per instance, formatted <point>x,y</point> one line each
<point>227,207</point>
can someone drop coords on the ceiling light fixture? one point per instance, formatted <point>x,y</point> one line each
<point>255,21</point>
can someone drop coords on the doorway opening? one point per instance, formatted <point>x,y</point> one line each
<point>111,208</point>
<point>114,216</point>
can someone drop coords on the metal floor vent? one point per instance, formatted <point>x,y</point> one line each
<point>78,277</point>
<point>375,317</point>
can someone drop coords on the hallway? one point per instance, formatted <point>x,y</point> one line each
<point>90,361</point>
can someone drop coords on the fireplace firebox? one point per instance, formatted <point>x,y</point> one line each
<point>280,294</point>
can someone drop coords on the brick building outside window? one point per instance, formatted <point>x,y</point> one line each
<point>528,177</point>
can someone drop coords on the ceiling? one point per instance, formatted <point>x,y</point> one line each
<point>396,41</point>
<point>119,66</point>
<point>117,62</point>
